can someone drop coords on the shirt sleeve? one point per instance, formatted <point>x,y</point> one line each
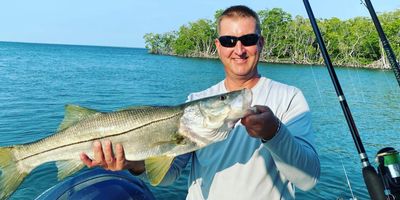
<point>292,148</point>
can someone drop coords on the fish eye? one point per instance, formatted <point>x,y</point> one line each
<point>222,97</point>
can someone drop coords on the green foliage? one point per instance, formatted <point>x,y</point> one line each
<point>184,43</point>
<point>275,24</point>
<point>352,42</point>
<point>159,43</point>
<point>196,39</point>
<point>391,25</point>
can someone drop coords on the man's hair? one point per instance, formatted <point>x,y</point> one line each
<point>239,11</point>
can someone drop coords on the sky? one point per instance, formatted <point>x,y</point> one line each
<point>123,23</point>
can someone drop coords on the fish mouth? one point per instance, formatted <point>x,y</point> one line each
<point>240,107</point>
<point>232,123</point>
<point>242,104</point>
<point>247,98</point>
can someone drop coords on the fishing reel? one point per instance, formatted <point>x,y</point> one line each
<point>388,160</point>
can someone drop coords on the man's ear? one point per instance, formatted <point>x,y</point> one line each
<point>261,42</point>
<point>216,41</point>
<point>217,44</point>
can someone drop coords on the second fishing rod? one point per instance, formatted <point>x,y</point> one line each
<point>372,180</point>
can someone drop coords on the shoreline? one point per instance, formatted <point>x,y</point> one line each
<point>376,65</point>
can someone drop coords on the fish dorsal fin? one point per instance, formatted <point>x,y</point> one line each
<point>73,114</point>
<point>157,167</point>
<point>68,167</point>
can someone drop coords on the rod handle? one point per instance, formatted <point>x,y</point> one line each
<point>374,183</point>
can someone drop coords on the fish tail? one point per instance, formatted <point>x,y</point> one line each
<point>10,176</point>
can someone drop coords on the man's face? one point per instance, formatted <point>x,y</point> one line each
<point>240,62</point>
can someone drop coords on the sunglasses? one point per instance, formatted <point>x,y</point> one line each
<point>246,40</point>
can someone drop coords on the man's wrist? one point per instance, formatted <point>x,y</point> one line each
<point>278,127</point>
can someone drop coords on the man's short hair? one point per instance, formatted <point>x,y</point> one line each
<point>239,11</point>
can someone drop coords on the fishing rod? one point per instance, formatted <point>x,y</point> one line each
<point>372,180</point>
<point>385,43</point>
<point>388,158</point>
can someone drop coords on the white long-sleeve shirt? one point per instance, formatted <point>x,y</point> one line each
<point>242,167</point>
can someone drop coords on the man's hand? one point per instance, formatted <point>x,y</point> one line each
<point>110,160</point>
<point>261,122</point>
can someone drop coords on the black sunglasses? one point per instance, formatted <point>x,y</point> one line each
<point>246,40</point>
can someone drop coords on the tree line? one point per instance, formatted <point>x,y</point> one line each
<point>353,42</point>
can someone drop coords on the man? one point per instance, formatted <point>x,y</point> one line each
<point>267,154</point>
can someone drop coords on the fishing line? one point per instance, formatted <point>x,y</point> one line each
<point>353,85</point>
<point>391,86</point>
<point>359,83</point>
<point>348,181</point>
<point>318,89</point>
<point>324,106</point>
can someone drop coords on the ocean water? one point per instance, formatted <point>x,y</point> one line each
<point>37,80</point>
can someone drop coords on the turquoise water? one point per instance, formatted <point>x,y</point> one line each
<point>37,80</point>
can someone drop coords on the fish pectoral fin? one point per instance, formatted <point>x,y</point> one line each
<point>73,114</point>
<point>176,140</point>
<point>157,167</point>
<point>68,167</point>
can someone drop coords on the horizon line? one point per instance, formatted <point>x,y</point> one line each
<point>69,44</point>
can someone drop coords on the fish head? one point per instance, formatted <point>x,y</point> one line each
<point>225,108</point>
<point>211,119</point>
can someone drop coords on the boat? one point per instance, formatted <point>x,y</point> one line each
<point>99,184</point>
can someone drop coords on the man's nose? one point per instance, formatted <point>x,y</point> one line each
<point>239,48</point>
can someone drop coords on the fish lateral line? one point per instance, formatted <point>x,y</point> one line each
<point>96,138</point>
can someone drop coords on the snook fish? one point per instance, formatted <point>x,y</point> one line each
<point>153,134</point>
